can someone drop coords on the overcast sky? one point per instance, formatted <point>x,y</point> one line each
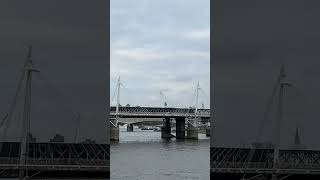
<point>70,48</point>
<point>251,41</point>
<point>160,45</point>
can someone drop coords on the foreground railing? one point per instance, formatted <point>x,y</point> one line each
<point>217,165</point>
<point>7,161</point>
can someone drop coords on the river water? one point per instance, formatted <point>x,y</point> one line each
<point>144,155</point>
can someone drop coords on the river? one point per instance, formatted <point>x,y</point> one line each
<point>144,155</point>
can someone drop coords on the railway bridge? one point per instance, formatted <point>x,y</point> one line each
<point>186,119</point>
<point>257,163</point>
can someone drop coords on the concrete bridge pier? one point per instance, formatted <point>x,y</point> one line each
<point>208,131</point>
<point>114,131</point>
<point>130,128</point>
<point>166,129</point>
<point>180,127</point>
<point>192,132</point>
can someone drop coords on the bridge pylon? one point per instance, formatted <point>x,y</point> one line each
<point>114,128</point>
<point>192,129</point>
<point>192,132</point>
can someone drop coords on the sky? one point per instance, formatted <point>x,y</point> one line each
<point>251,41</point>
<point>70,48</point>
<point>160,45</point>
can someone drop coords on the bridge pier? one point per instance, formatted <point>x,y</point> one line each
<point>180,127</point>
<point>192,132</point>
<point>130,128</point>
<point>114,131</point>
<point>208,131</point>
<point>166,129</point>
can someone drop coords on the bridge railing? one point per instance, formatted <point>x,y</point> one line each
<point>263,165</point>
<point>66,162</point>
<point>251,165</point>
<point>242,158</point>
<point>6,160</point>
<point>49,161</point>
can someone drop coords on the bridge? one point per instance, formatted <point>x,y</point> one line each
<point>56,160</point>
<point>249,163</point>
<point>131,115</point>
<point>26,158</point>
<point>267,161</point>
<point>158,112</point>
<point>186,118</point>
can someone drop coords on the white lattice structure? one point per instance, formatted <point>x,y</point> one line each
<point>158,112</point>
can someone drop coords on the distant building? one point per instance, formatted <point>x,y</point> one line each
<point>262,145</point>
<point>57,138</point>
<point>89,141</point>
<point>297,145</point>
<point>31,138</point>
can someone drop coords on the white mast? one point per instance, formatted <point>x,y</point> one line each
<point>197,96</point>
<point>28,70</point>
<point>279,117</point>
<point>194,120</point>
<point>165,99</point>
<point>118,100</point>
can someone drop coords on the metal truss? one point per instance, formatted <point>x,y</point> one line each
<point>56,155</point>
<point>158,112</point>
<point>241,160</point>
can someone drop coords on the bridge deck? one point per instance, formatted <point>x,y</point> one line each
<point>156,112</point>
<point>240,160</point>
<point>56,158</point>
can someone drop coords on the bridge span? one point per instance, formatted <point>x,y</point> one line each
<point>132,121</point>
<point>55,160</point>
<point>158,112</point>
<point>132,115</point>
<point>257,163</point>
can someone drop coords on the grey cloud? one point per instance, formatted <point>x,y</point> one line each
<point>70,46</point>
<point>160,49</point>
